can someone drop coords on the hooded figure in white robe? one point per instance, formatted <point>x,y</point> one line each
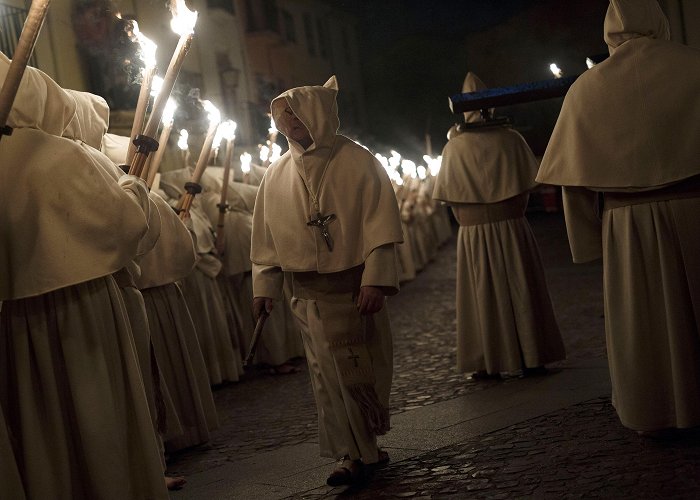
<point>215,327</point>
<point>283,341</point>
<point>326,213</point>
<point>628,131</point>
<point>190,410</point>
<point>505,320</point>
<point>71,390</point>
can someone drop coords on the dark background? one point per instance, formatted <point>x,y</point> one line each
<point>416,53</point>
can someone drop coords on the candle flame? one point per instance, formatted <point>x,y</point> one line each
<point>409,168</point>
<point>399,181</point>
<point>156,86</point>
<point>422,172</point>
<point>264,153</point>
<point>184,19</point>
<point>589,62</point>
<point>213,113</point>
<point>169,112</point>
<point>227,130</point>
<point>245,162</point>
<point>395,159</point>
<point>182,141</point>
<point>148,46</point>
<point>556,70</point>
<point>273,127</point>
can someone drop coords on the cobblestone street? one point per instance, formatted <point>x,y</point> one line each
<point>577,451</point>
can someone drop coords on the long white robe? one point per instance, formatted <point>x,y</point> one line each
<point>351,391</point>
<point>640,149</point>
<point>505,318</point>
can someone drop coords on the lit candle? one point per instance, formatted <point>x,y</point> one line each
<point>183,23</point>
<point>184,147</point>
<point>556,71</point>
<point>214,120</point>
<point>264,154</point>
<point>155,160</point>
<point>148,55</point>
<point>227,130</point>
<point>23,51</point>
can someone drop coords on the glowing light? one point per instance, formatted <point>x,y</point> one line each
<point>556,71</point>
<point>399,181</point>
<point>213,113</point>
<point>182,141</point>
<point>422,172</point>
<point>395,159</point>
<point>169,112</point>
<point>273,127</point>
<point>264,153</point>
<point>589,62</point>
<point>156,86</point>
<point>184,19</point>
<point>245,162</point>
<point>409,168</point>
<point>227,130</point>
<point>148,46</point>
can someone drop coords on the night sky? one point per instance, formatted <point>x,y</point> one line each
<point>418,53</point>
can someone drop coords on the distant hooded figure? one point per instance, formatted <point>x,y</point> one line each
<point>505,320</point>
<point>326,213</point>
<point>628,131</point>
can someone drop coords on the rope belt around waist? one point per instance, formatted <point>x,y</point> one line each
<point>688,188</point>
<point>474,214</point>
<point>332,287</point>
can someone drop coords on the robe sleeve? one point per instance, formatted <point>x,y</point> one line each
<point>583,225</point>
<point>381,269</point>
<point>267,281</point>
<point>135,187</point>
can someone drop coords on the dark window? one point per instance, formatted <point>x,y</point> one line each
<point>226,5</point>
<point>261,16</point>
<point>309,31</point>
<point>288,23</point>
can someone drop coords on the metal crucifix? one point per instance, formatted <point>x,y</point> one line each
<point>321,221</point>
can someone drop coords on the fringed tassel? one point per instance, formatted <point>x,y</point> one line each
<point>375,414</point>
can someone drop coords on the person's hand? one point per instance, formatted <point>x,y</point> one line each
<point>370,300</point>
<point>261,304</point>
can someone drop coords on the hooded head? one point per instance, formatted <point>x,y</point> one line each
<point>629,19</point>
<point>91,119</point>
<point>40,102</point>
<point>315,107</point>
<point>472,83</point>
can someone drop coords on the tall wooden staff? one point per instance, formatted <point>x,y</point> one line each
<point>228,132</point>
<point>183,23</point>
<point>193,187</point>
<point>25,47</point>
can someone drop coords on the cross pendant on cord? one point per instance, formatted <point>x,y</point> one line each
<point>321,221</point>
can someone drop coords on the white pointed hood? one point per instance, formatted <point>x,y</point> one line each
<point>629,19</point>
<point>485,165</point>
<point>347,181</point>
<point>631,122</point>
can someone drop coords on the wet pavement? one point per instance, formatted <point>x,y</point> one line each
<point>553,437</point>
